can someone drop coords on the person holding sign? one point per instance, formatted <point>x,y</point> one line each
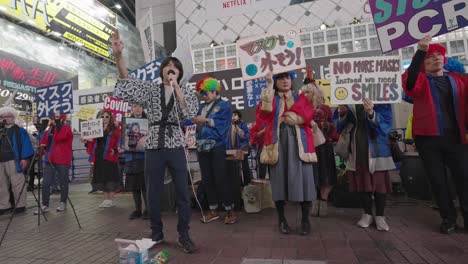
<point>134,169</point>
<point>57,146</point>
<point>439,126</point>
<point>168,105</point>
<point>369,157</point>
<point>286,150</point>
<point>104,154</point>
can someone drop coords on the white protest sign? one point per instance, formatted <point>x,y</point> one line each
<point>92,129</point>
<point>375,78</point>
<point>183,52</point>
<point>145,26</point>
<point>274,52</point>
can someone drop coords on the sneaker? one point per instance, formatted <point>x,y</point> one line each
<point>365,221</point>
<point>44,209</point>
<point>284,227</point>
<point>62,207</point>
<point>92,191</point>
<point>315,208</point>
<point>134,215</point>
<point>145,215</point>
<point>381,223</point>
<point>211,216</point>
<point>323,208</point>
<point>187,244</point>
<point>106,204</point>
<point>447,227</point>
<point>230,218</point>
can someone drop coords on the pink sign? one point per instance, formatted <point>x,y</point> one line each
<point>117,106</point>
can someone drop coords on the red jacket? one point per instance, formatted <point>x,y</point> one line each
<point>426,110</point>
<point>111,147</point>
<point>59,151</point>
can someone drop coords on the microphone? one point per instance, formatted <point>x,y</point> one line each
<point>169,73</point>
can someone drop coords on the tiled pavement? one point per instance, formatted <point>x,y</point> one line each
<point>413,237</point>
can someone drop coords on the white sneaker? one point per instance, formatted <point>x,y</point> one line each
<point>323,208</point>
<point>315,208</point>
<point>381,223</point>
<point>44,209</point>
<point>106,204</point>
<point>365,221</point>
<point>62,207</point>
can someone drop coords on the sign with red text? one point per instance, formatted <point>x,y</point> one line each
<point>117,106</point>
<point>190,136</point>
<point>375,78</point>
<point>271,52</point>
<point>403,23</point>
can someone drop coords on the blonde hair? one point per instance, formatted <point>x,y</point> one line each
<point>317,93</point>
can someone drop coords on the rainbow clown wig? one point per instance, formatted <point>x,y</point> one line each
<point>208,84</point>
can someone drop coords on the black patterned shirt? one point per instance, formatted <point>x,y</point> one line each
<point>164,120</point>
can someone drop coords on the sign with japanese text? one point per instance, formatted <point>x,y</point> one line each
<point>86,112</point>
<point>92,98</point>
<point>57,97</point>
<point>400,24</point>
<point>253,91</point>
<point>271,52</point>
<point>117,106</point>
<point>22,76</point>
<point>375,78</point>
<point>87,22</point>
<point>225,8</point>
<point>92,129</point>
<point>190,136</point>
<point>136,130</point>
<point>145,26</point>
<point>148,72</point>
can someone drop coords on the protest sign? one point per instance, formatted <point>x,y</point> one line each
<point>253,91</point>
<point>52,98</point>
<point>145,26</point>
<point>91,129</point>
<point>324,85</point>
<point>190,139</point>
<point>184,54</point>
<point>117,106</point>
<point>148,72</point>
<point>271,52</point>
<point>86,112</point>
<point>400,24</point>
<point>136,130</point>
<point>375,78</point>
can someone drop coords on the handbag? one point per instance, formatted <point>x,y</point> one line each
<point>342,147</point>
<point>319,138</point>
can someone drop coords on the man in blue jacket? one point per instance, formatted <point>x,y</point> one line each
<point>213,123</point>
<point>15,151</point>
<point>238,138</point>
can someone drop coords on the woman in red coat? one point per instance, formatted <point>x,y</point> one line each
<point>104,154</point>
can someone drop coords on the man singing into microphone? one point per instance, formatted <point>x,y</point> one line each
<point>167,105</point>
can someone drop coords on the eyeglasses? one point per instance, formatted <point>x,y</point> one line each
<point>105,116</point>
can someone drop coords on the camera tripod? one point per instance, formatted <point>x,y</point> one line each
<point>39,149</point>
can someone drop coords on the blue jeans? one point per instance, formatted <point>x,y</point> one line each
<point>50,170</point>
<point>156,162</point>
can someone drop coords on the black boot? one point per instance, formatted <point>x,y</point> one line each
<point>284,227</point>
<point>305,228</point>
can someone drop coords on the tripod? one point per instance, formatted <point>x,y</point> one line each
<point>39,150</point>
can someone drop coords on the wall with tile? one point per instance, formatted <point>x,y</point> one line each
<point>190,17</point>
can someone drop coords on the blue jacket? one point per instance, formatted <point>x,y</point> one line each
<point>243,142</point>
<point>221,116</point>
<point>380,155</point>
<point>27,149</point>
